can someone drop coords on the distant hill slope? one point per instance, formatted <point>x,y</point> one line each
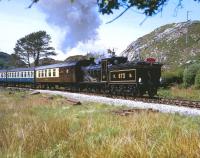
<point>76,58</point>
<point>4,60</point>
<point>168,44</point>
<point>10,61</point>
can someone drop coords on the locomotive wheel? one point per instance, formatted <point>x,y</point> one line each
<point>152,92</point>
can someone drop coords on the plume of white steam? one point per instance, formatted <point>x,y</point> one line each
<point>78,19</point>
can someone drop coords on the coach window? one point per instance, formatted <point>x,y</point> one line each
<point>42,72</point>
<point>54,72</point>
<point>45,74</point>
<point>49,72</point>
<point>67,71</point>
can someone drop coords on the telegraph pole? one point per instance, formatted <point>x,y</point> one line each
<point>186,38</point>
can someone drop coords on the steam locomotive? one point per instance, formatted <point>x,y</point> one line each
<point>114,76</point>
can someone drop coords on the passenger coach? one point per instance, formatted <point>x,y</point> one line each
<point>21,76</point>
<point>3,77</point>
<point>66,74</point>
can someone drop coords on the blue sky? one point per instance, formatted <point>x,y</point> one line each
<point>16,21</point>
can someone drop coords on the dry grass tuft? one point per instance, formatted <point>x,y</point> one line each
<point>36,126</point>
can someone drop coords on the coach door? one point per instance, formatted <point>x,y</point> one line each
<point>104,71</point>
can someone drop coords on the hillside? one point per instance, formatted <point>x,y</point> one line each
<point>168,44</point>
<point>4,59</point>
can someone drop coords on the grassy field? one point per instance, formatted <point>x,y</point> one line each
<point>46,126</point>
<point>181,93</point>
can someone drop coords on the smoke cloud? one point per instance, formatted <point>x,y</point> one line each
<point>79,20</point>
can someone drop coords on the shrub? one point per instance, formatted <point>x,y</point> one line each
<point>173,76</point>
<point>197,80</point>
<point>189,74</point>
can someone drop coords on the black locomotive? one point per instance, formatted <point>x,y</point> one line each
<point>114,76</point>
<point>117,76</point>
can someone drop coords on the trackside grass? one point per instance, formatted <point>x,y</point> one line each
<point>180,93</point>
<point>47,126</point>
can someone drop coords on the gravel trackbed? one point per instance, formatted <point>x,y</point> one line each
<point>129,103</point>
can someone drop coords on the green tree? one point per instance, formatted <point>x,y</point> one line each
<point>34,47</point>
<point>15,61</point>
<point>189,74</point>
<point>197,80</point>
<point>149,7</point>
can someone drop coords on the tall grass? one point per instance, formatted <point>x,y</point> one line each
<point>183,93</point>
<point>37,126</point>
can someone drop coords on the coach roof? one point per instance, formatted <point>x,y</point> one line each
<point>3,70</point>
<point>21,69</point>
<point>66,64</point>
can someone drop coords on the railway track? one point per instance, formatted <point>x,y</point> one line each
<point>155,100</point>
<point>177,102</point>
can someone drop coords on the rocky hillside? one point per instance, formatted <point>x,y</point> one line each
<point>170,44</point>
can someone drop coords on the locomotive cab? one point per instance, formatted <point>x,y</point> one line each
<point>149,77</point>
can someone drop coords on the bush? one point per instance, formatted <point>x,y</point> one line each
<point>197,80</point>
<point>173,76</point>
<point>189,74</point>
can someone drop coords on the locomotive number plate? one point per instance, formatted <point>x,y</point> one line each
<point>123,75</point>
